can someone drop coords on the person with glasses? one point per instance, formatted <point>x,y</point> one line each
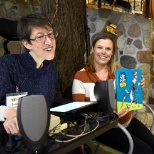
<point>33,71</point>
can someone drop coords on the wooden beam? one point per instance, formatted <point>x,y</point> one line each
<point>147,8</point>
<point>99,3</point>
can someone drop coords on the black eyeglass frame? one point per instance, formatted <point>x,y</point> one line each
<point>55,34</point>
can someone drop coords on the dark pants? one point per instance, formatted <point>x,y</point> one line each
<point>142,137</point>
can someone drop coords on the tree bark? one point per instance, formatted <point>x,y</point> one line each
<point>68,17</point>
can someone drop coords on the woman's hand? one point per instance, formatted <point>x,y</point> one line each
<point>11,124</point>
<point>143,82</point>
<point>122,113</point>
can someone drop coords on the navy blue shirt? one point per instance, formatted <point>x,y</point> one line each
<point>20,70</point>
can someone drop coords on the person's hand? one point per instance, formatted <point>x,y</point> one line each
<point>122,113</point>
<point>143,82</point>
<point>11,124</point>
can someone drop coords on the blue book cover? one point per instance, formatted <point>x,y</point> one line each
<point>128,89</point>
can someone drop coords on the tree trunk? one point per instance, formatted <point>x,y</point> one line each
<point>68,17</point>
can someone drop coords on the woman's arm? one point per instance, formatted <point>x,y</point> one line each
<point>11,124</point>
<point>78,91</point>
<point>6,85</point>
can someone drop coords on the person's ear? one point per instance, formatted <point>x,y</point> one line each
<point>92,50</point>
<point>26,44</point>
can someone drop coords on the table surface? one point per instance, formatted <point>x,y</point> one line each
<point>64,147</point>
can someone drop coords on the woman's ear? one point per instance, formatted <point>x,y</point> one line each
<point>92,50</point>
<point>26,44</point>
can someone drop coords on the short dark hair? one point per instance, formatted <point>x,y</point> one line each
<point>26,23</point>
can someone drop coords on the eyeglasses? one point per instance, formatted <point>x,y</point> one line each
<point>42,38</point>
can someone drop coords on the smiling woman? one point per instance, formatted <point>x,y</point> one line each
<point>20,71</point>
<point>42,47</point>
<point>101,67</point>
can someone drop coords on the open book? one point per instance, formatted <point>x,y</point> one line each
<point>128,89</point>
